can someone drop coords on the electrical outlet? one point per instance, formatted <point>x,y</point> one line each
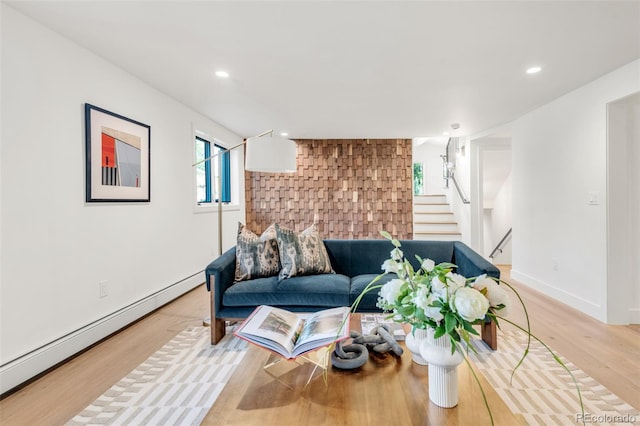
<point>554,265</point>
<point>104,288</point>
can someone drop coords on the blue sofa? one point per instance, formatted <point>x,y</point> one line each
<point>355,262</point>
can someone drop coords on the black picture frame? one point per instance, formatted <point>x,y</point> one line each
<point>118,157</point>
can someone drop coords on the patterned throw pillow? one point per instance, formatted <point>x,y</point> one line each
<point>256,257</point>
<point>302,253</point>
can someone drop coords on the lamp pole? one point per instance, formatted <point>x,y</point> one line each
<point>219,155</point>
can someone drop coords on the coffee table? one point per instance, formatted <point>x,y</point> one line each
<point>386,390</point>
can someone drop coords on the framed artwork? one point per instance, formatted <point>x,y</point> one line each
<point>118,157</point>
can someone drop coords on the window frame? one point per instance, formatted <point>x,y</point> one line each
<point>212,174</point>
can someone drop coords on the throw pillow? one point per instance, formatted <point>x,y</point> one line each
<point>302,253</point>
<point>256,257</point>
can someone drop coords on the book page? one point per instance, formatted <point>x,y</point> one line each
<point>327,324</point>
<point>370,321</point>
<point>274,324</point>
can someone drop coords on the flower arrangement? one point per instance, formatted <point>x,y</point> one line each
<point>435,296</point>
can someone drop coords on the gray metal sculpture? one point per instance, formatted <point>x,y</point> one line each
<point>356,354</point>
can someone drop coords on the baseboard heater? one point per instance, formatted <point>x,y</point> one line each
<point>29,365</point>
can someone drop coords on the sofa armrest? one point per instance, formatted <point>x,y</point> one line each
<point>222,273</point>
<point>471,264</point>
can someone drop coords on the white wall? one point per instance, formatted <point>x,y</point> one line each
<point>428,153</point>
<point>559,162</point>
<point>462,211</point>
<point>55,247</point>
<point>501,221</point>
<point>623,199</point>
<point>634,195</point>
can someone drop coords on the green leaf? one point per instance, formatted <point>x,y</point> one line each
<point>420,315</point>
<point>439,332</point>
<point>450,322</point>
<point>386,235</point>
<point>406,311</point>
<point>468,327</point>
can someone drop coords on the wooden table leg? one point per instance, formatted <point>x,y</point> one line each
<point>490,334</point>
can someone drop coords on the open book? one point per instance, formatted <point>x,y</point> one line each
<point>371,321</point>
<point>291,334</point>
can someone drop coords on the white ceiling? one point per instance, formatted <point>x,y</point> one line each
<point>383,69</point>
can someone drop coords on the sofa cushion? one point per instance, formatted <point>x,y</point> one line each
<point>324,290</point>
<point>256,257</point>
<point>356,257</point>
<point>302,253</point>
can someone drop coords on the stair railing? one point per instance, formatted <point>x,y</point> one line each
<point>464,199</point>
<point>448,173</point>
<point>500,244</point>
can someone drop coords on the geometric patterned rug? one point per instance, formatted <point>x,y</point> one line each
<point>175,386</point>
<point>179,384</point>
<point>542,391</point>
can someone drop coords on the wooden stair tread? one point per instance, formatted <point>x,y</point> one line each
<point>417,203</point>
<point>436,222</point>
<point>436,233</point>
<point>451,213</point>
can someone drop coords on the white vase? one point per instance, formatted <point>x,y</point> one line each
<point>413,341</point>
<point>443,370</point>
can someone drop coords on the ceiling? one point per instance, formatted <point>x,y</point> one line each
<point>354,69</point>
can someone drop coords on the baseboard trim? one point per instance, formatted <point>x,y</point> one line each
<point>634,315</point>
<point>25,367</point>
<point>586,306</point>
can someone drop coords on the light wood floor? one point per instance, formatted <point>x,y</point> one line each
<point>57,397</point>
<point>610,354</point>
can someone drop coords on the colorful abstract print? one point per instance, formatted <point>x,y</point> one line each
<point>121,158</point>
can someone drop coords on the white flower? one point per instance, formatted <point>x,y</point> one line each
<point>438,287</point>
<point>391,291</point>
<point>396,254</point>
<point>469,303</point>
<point>442,290</point>
<point>428,265</point>
<point>455,281</point>
<point>496,294</point>
<point>421,297</point>
<point>390,266</point>
<point>433,312</point>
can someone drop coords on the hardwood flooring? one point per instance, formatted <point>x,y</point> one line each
<point>610,354</point>
<point>57,397</point>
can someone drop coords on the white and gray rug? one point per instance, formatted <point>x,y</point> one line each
<point>542,391</point>
<point>179,384</point>
<point>175,386</point>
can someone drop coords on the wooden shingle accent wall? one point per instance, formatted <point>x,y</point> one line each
<point>351,188</point>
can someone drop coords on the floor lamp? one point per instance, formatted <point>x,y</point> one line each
<point>272,154</point>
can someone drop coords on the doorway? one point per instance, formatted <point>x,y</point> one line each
<point>623,211</point>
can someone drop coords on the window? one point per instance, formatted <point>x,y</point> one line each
<point>208,173</point>
<point>418,179</point>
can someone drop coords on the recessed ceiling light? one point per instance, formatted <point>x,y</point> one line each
<point>534,70</point>
<point>284,134</point>
<point>445,133</point>
<point>222,74</point>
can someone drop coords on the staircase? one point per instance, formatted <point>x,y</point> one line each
<point>433,219</point>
